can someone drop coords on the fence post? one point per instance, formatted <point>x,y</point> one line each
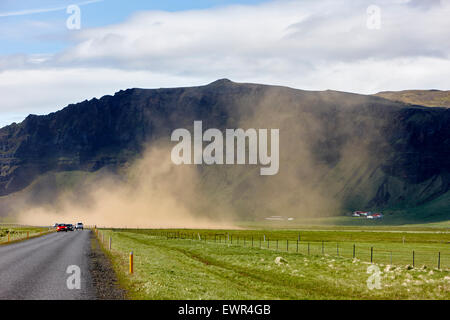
<point>277,244</point>
<point>354,251</point>
<point>260,242</point>
<point>268,243</point>
<point>287,245</point>
<point>391,257</point>
<point>371,254</point>
<point>337,249</point>
<point>308,248</point>
<point>131,262</point>
<point>252,241</point>
<point>297,245</point>
<point>323,251</point>
<point>413,259</point>
<point>28,234</point>
<point>439,260</point>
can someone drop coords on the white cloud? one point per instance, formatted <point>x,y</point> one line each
<point>43,91</point>
<point>304,44</point>
<point>302,32</point>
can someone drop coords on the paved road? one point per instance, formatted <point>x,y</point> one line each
<point>36,268</point>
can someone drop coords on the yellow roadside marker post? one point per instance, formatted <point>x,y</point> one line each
<point>131,262</point>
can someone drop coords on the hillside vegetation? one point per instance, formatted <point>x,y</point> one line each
<point>429,98</point>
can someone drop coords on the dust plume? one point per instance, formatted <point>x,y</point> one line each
<point>325,157</point>
<point>327,166</point>
<point>154,193</point>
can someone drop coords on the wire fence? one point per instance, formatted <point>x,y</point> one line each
<point>418,256</point>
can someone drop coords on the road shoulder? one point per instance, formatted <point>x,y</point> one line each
<point>104,278</point>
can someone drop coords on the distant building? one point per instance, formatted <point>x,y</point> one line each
<point>278,218</point>
<point>361,213</point>
<point>367,214</point>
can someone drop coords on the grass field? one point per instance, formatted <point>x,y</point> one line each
<point>188,267</point>
<point>397,222</point>
<point>17,232</point>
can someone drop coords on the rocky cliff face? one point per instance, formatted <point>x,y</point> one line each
<point>363,151</point>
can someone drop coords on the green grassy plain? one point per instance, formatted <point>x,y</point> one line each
<point>17,233</point>
<point>225,269</point>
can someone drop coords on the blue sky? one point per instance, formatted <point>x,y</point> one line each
<point>305,44</point>
<point>29,31</point>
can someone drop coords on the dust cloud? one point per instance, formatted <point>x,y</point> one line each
<point>326,168</point>
<point>325,156</point>
<point>154,194</point>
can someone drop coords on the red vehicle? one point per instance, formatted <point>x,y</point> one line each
<point>61,227</point>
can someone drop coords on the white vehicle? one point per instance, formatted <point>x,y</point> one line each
<point>79,226</point>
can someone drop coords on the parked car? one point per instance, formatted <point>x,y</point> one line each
<point>79,226</point>
<point>70,227</point>
<point>61,227</point>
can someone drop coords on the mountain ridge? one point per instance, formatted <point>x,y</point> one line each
<point>364,151</point>
<point>428,98</point>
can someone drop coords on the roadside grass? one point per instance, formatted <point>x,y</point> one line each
<point>194,269</point>
<point>19,233</point>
